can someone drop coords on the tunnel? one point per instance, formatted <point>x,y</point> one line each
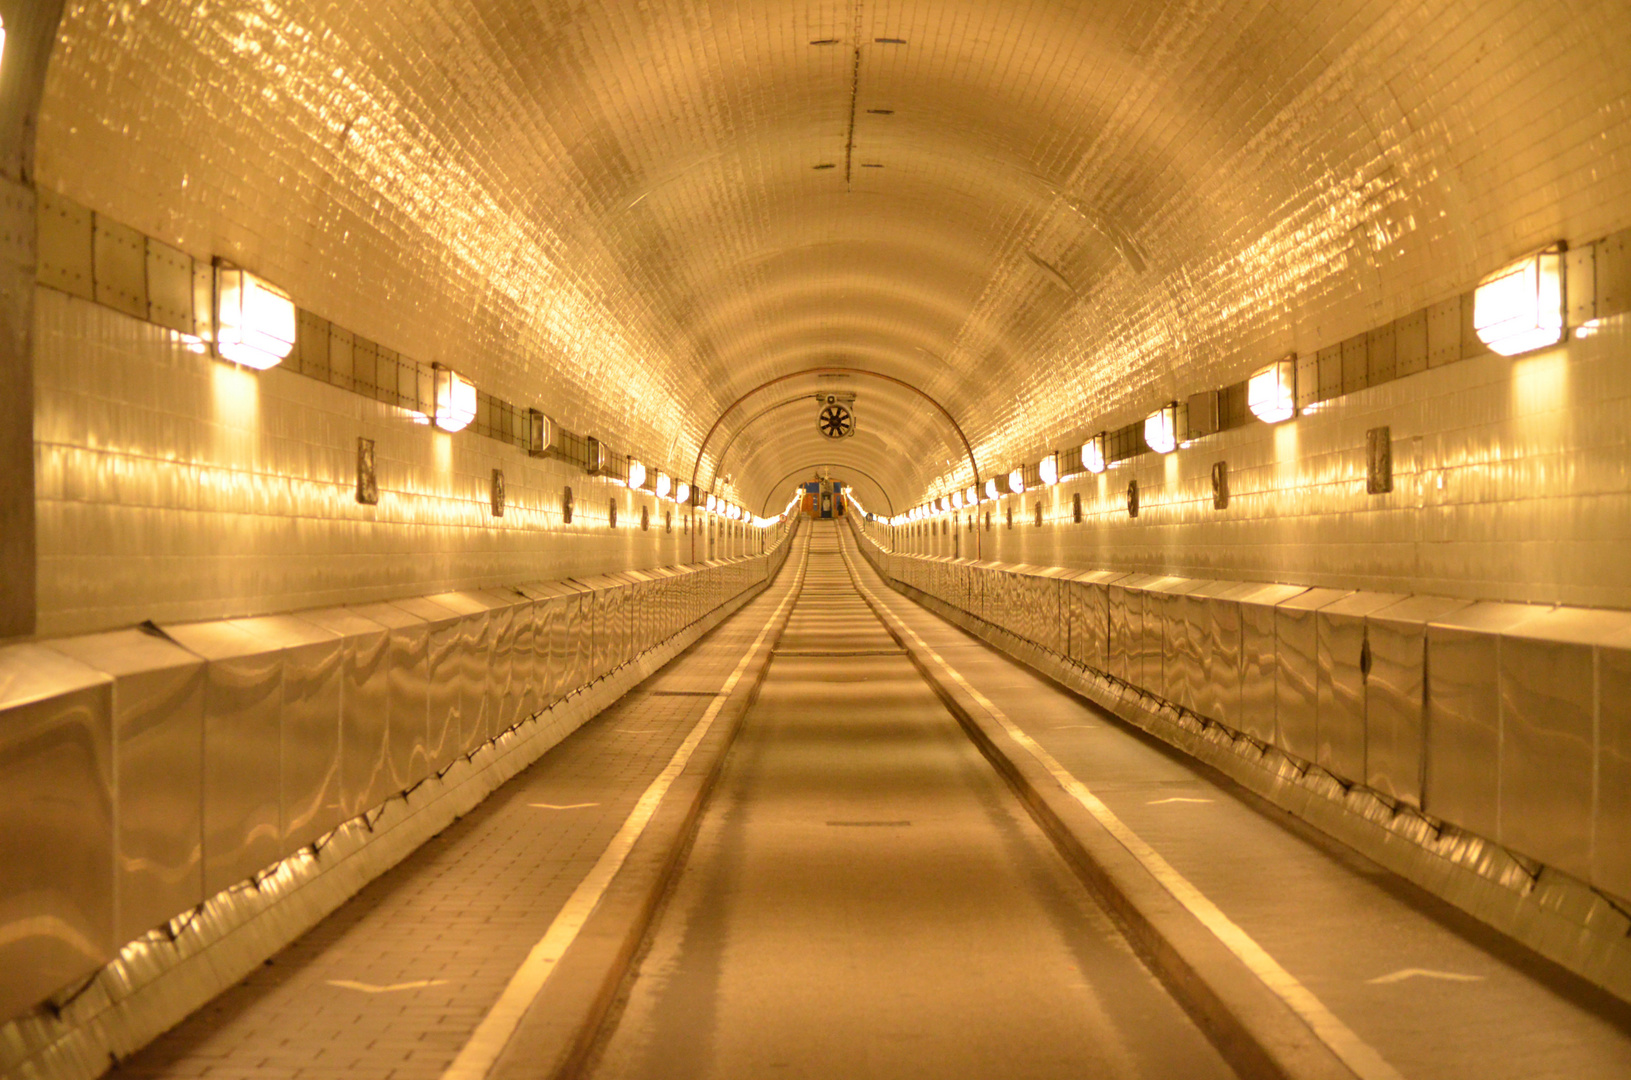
<point>815,538</point>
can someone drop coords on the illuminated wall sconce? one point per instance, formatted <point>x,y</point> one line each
<point>991,488</point>
<point>957,500</point>
<point>1016,480</point>
<point>455,399</point>
<point>1094,458</point>
<point>1271,394</point>
<point>540,433</point>
<point>1049,468</point>
<point>254,319</point>
<point>664,485</point>
<point>1520,308</point>
<point>1161,429</point>
<point>971,496</point>
<point>594,456</point>
<point>637,473</point>
<point>682,493</point>
<point>713,503</point>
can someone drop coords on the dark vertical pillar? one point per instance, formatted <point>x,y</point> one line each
<point>31,29</point>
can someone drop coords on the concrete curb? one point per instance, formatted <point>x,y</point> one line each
<point>563,1023</point>
<point>1255,1031</point>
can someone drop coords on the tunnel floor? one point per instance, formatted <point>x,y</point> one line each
<point>865,896</point>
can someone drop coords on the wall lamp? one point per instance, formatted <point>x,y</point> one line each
<point>1049,468</point>
<point>713,503</point>
<point>1161,429</point>
<point>637,473</point>
<point>957,500</point>
<point>971,496</point>
<point>1094,459</point>
<point>991,488</point>
<point>664,485</point>
<point>1016,480</point>
<point>540,433</point>
<point>1520,308</point>
<point>682,493</point>
<point>1271,394</point>
<point>254,319</point>
<point>455,399</point>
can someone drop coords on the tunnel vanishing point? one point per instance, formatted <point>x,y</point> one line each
<point>815,538</point>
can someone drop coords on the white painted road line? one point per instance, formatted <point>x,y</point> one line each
<point>477,1057</point>
<point>565,806</point>
<point>1354,1052</point>
<point>1175,799</point>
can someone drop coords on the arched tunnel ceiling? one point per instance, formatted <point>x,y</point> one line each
<point>1048,216</point>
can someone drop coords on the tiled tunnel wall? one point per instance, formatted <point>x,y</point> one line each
<point>1509,483</point>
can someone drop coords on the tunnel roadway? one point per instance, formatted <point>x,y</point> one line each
<point>864,896</point>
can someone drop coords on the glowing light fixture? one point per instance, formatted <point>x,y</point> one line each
<point>254,319</point>
<point>637,473</point>
<point>664,485</point>
<point>1050,469</point>
<point>455,399</point>
<point>1520,308</point>
<point>713,502</point>
<point>682,493</point>
<point>971,496</point>
<point>1161,429</point>
<point>1016,480</point>
<point>1093,455</point>
<point>991,488</point>
<point>1271,394</point>
<point>957,500</point>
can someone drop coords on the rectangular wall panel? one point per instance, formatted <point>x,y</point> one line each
<point>1296,675</point>
<point>1396,695</point>
<point>1463,746</point>
<point>1548,733</point>
<point>56,823</point>
<point>1344,662</point>
<point>158,741</point>
<point>243,737</point>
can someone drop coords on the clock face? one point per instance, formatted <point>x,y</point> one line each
<point>836,422</point>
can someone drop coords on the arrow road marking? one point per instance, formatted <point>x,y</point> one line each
<point>370,988</point>
<point>1424,973</point>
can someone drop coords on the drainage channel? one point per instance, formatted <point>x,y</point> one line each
<point>865,895</point>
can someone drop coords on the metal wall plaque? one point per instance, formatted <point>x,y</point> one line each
<point>645,519</point>
<point>566,506</point>
<point>1220,485</point>
<point>367,483</point>
<point>668,521</point>
<point>611,514</point>
<point>1010,517</point>
<point>1378,461</point>
<point>1076,507</point>
<point>1132,498</point>
<point>1039,513</point>
<point>497,494</point>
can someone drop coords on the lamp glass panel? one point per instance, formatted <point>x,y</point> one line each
<point>255,320</point>
<point>1161,429</point>
<point>1271,394</point>
<point>1093,454</point>
<point>455,400</point>
<point>1521,308</point>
